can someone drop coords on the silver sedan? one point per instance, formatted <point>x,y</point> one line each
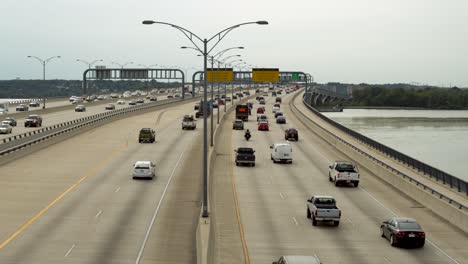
<point>5,129</point>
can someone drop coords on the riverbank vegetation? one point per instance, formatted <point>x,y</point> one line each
<point>429,98</point>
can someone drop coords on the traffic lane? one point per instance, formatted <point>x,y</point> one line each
<point>51,103</point>
<point>64,116</point>
<point>56,118</point>
<point>51,177</point>
<point>178,216</point>
<point>291,187</point>
<point>442,236</point>
<point>12,108</point>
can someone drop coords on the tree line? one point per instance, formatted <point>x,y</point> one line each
<point>431,98</point>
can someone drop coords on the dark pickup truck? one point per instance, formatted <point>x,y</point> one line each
<point>199,113</point>
<point>245,156</point>
<point>146,134</point>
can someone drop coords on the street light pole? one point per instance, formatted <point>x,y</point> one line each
<point>211,108</point>
<point>218,36</point>
<point>44,63</point>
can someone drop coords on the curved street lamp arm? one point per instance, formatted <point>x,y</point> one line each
<point>224,59</point>
<point>95,61</point>
<point>224,32</point>
<point>189,34</point>
<point>219,54</point>
<point>37,58</point>
<point>51,58</point>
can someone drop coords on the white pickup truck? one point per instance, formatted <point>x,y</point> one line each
<point>323,208</point>
<point>188,122</point>
<point>343,172</point>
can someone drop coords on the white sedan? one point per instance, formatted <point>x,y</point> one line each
<point>144,169</point>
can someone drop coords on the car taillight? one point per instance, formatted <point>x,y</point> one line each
<point>422,234</point>
<point>338,175</point>
<point>315,213</point>
<point>400,234</point>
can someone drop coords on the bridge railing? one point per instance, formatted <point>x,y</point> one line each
<point>433,173</point>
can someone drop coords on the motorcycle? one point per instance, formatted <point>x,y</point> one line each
<point>247,136</point>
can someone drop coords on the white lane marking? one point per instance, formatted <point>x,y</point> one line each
<point>282,197</point>
<point>443,252</point>
<point>98,214</point>
<point>148,231</point>
<point>117,190</point>
<point>379,202</point>
<point>394,214</point>
<point>69,251</point>
<point>386,260</point>
<point>349,220</point>
<point>295,221</point>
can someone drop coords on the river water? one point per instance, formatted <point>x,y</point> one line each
<point>436,137</point>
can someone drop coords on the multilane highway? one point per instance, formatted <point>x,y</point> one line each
<point>271,204</point>
<point>75,201</point>
<point>54,118</point>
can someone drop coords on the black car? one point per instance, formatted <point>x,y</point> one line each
<point>245,156</point>
<point>153,99</point>
<point>234,97</point>
<point>22,107</point>
<point>291,133</point>
<point>281,120</point>
<point>278,113</point>
<point>238,124</point>
<point>11,121</point>
<point>403,231</point>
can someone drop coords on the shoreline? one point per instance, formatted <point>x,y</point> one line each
<point>399,108</point>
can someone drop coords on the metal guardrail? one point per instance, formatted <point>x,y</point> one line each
<point>462,186</point>
<point>78,123</point>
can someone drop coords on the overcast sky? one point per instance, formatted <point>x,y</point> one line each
<point>353,41</point>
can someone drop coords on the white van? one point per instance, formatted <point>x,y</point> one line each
<point>144,169</point>
<point>281,152</point>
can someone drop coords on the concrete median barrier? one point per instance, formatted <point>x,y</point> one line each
<point>205,230</point>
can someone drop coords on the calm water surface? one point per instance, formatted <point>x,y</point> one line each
<point>439,138</point>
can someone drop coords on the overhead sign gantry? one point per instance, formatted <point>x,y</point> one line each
<point>101,73</point>
<point>265,75</point>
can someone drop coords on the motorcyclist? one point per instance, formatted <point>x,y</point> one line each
<point>247,134</point>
